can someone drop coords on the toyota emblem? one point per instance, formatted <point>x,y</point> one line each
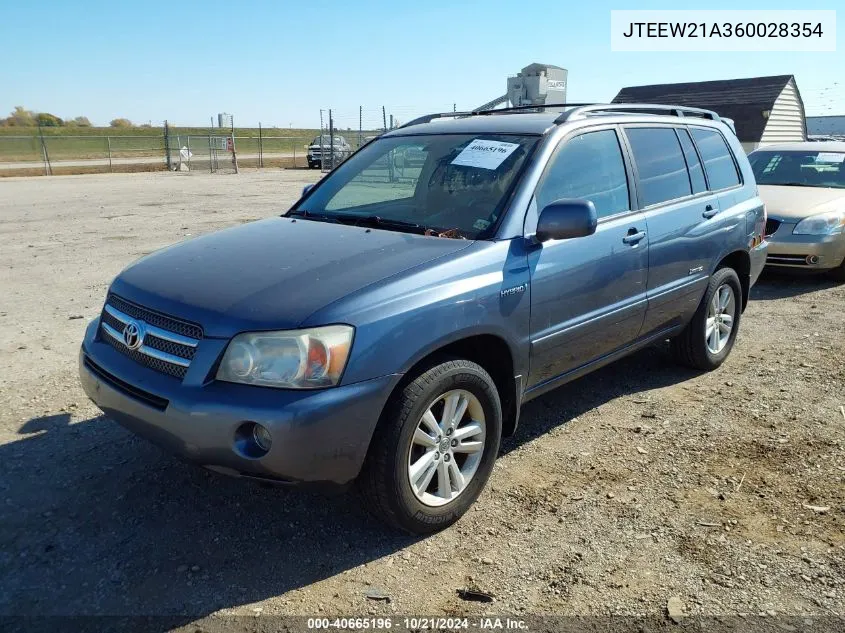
<point>133,335</point>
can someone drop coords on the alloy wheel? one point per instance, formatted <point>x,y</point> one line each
<point>446,447</point>
<point>720,318</point>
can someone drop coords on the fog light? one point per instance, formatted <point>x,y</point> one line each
<point>262,437</point>
<point>812,259</point>
<point>252,440</point>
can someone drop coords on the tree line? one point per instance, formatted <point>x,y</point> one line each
<point>21,117</point>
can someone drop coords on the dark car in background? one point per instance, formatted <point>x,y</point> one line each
<point>387,329</point>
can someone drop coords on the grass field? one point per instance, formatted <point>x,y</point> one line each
<point>79,143</point>
<point>151,131</point>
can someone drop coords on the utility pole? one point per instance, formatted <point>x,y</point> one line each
<point>331,139</point>
<point>260,147</point>
<point>234,153</point>
<point>211,149</point>
<point>167,145</point>
<point>48,169</point>
<point>322,153</point>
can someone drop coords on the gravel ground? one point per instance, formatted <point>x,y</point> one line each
<point>635,487</point>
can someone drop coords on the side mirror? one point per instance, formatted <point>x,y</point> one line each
<point>566,218</point>
<point>306,189</point>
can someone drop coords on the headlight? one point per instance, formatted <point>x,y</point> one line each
<point>293,359</point>
<point>822,224</point>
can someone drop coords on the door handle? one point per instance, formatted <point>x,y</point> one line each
<point>709,211</point>
<point>633,238</point>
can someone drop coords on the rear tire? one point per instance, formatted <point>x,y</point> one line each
<point>707,340</point>
<point>469,446</point>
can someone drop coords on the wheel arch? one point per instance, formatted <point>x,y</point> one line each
<point>740,262</point>
<point>492,352</point>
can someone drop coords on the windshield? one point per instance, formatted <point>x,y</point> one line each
<point>455,184</point>
<point>799,168</point>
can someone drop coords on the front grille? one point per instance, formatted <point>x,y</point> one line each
<point>185,328</point>
<point>153,363</point>
<point>164,344</point>
<point>169,347</point>
<point>105,317</point>
<point>772,225</point>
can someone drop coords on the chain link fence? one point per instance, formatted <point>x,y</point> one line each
<point>54,151</point>
<point>213,151</point>
<point>49,155</point>
<point>344,131</point>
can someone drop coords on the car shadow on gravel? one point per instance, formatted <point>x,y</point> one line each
<point>648,369</point>
<point>97,521</point>
<point>774,284</point>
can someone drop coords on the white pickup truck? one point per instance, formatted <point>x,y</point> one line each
<point>321,147</point>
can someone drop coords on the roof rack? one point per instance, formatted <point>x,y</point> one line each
<point>639,108</point>
<point>512,110</point>
<point>430,117</point>
<point>519,108</point>
<point>576,111</point>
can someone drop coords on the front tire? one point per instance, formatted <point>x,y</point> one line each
<point>434,448</point>
<point>707,340</point>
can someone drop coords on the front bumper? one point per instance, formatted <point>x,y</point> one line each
<point>807,252</point>
<point>319,436</point>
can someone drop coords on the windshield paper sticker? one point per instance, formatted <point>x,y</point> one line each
<point>830,157</point>
<point>485,154</point>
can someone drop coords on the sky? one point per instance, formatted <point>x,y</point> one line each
<point>279,63</point>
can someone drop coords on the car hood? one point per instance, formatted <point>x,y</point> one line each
<point>271,274</point>
<point>788,203</point>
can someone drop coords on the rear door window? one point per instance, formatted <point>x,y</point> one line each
<point>718,161</point>
<point>696,173</point>
<point>661,168</point>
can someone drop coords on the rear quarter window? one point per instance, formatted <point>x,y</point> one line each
<point>718,161</point>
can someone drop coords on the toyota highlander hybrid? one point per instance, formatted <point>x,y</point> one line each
<point>387,328</point>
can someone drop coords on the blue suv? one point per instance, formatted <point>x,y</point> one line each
<point>387,329</point>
